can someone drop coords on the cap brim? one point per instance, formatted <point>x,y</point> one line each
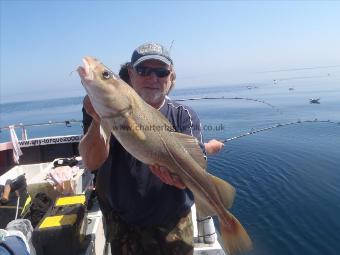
<point>155,57</point>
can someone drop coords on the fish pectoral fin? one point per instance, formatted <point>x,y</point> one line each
<point>225,190</point>
<point>191,144</point>
<point>135,129</point>
<point>105,131</point>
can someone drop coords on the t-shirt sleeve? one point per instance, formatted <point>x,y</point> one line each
<point>191,125</point>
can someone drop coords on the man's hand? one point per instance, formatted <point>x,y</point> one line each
<point>89,109</point>
<point>163,173</point>
<point>213,146</point>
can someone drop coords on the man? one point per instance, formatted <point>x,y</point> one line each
<point>146,210</point>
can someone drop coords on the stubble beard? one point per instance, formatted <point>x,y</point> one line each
<point>153,98</point>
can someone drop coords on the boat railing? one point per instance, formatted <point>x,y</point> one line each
<point>24,127</point>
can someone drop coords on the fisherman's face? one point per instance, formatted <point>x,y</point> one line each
<point>151,87</point>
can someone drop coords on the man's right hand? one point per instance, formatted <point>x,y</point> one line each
<point>90,110</point>
<point>92,147</point>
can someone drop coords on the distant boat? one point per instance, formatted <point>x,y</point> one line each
<point>314,100</point>
<point>291,89</point>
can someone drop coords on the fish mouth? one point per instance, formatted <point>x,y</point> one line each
<point>85,71</point>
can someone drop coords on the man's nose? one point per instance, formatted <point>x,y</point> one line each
<point>153,76</point>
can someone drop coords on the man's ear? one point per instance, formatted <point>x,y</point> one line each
<point>130,71</point>
<point>173,78</point>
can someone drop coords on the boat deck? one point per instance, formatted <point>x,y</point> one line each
<point>94,242</point>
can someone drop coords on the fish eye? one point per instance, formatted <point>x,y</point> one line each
<point>107,75</point>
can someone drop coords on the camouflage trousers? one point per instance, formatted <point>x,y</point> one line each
<point>174,239</point>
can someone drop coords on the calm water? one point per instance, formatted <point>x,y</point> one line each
<point>287,178</point>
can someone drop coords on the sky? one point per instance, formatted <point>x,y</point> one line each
<point>214,43</point>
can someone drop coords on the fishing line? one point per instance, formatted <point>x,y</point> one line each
<point>72,72</point>
<point>172,44</point>
<point>302,77</point>
<point>255,131</point>
<point>231,98</point>
<point>299,69</point>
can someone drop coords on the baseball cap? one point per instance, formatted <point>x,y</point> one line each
<point>149,51</point>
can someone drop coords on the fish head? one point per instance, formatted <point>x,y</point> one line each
<point>107,92</point>
<point>95,73</point>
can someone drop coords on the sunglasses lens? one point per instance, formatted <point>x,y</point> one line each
<point>141,70</point>
<point>162,72</point>
<point>146,71</point>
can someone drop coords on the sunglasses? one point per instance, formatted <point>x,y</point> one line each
<point>160,72</point>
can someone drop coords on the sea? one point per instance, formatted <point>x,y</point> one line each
<point>281,153</point>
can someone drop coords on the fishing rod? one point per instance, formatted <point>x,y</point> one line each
<point>231,98</point>
<point>254,131</point>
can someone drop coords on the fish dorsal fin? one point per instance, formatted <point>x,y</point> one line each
<point>191,144</point>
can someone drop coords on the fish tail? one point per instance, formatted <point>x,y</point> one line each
<point>234,236</point>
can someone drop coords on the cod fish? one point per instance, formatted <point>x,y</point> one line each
<point>147,135</point>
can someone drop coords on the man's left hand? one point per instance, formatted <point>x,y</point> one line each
<point>163,173</point>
